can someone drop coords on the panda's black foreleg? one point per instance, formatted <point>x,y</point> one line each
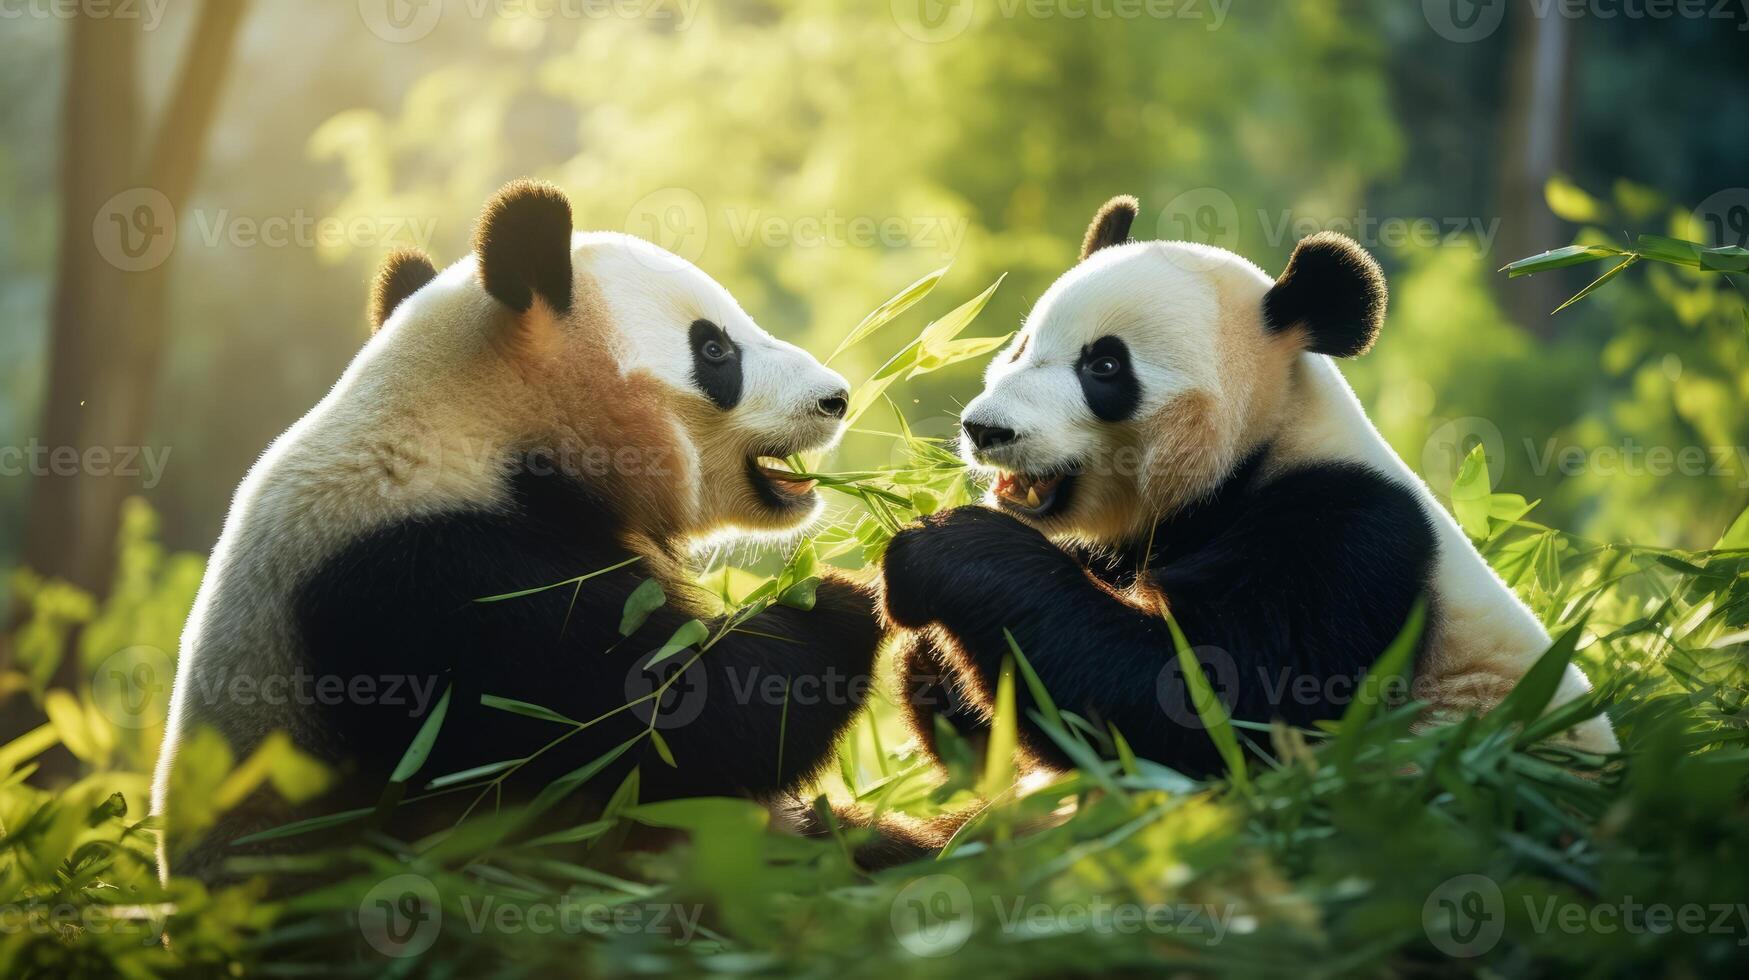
<point>761,710</point>
<point>875,841</point>
<point>933,690</point>
<point>975,573</point>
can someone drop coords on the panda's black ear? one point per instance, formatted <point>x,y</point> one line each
<point>1334,291</point>
<point>523,244</point>
<point>1111,226</point>
<point>405,272</point>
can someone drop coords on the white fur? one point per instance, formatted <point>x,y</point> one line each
<point>422,422</point>
<point>658,295</point>
<point>1192,318</point>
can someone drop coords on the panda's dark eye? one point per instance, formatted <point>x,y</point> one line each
<point>1111,387</point>
<point>716,364</point>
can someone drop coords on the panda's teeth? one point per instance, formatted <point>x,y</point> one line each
<point>1032,496</point>
<point>771,464</point>
<point>782,478</point>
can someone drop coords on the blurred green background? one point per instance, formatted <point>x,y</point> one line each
<point>817,155</point>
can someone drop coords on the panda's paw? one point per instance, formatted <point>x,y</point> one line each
<point>905,587</point>
<point>910,572</point>
<point>936,558</point>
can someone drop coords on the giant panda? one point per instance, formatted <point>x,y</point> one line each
<point>1170,429</point>
<point>552,405</point>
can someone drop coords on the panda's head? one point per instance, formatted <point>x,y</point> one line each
<point>610,359</point>
<point>1150,370</point>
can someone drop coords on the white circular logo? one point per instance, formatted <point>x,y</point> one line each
<point>132,686</point>
<point>674,218</point>
<point>1464,21</point>
<point>401,916</point>
<point>1450,444</point>
<point>1206,216</point>
<point>400,21</point>
<point>1465,916</point>
<point>1723,218</point>
<point>933,21</point>
<point>1174,694</point>
<point>932,916</point>
<point>135,230</point>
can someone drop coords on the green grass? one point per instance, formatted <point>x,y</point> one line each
<point>1363,846</point>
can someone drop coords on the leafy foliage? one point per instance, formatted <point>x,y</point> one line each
<point>1330,851</point>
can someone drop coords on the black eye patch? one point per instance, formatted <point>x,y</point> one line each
<point>716,364</point>
<point>1108,380</point>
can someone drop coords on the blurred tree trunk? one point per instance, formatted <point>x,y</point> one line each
<point>119,198</point>
<point>1539,107</point>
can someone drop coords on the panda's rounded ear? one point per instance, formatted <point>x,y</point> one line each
<point>523,245</point>
<point>404,273</point>
<point>1334,291</point>
<point>1110,225</point>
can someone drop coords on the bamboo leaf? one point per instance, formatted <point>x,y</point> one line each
<point>557,585</point>
<point>690,633</point>
<point>1004,737</point>
<point>888,311</point>
<point>420,748</point>
<point>562,787</point>
<point>525,709</point>
<point>934,337</point>
<point>1208,705</point>
<point>644,600</point>
<point>465,775</point>
<point>1392,667</point>
<point>955,351</point>
<point>1599,281</point>
<point>662,748</point>
<point>1470,494</point>
<point>311,825</point>
<point>1559,258</point>
<point>1040,695</point>
<point>1536,688</point>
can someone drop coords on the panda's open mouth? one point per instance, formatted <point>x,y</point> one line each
<point>1033,496</point>
<point>777,485</point>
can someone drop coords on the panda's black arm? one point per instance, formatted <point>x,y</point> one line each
<point>1285,603</point>
<point>763,706</point>
<point>976,572</point>
<point>433,603</point>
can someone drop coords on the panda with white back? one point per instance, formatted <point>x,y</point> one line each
<point>552,405</point>
<point>1170,430</point>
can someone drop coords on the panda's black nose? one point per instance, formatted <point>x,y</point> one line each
<point>988,436</point>
<point>833,406</point>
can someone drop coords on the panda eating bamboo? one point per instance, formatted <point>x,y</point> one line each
<point>1170,430</point>
<point>553,406</point>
